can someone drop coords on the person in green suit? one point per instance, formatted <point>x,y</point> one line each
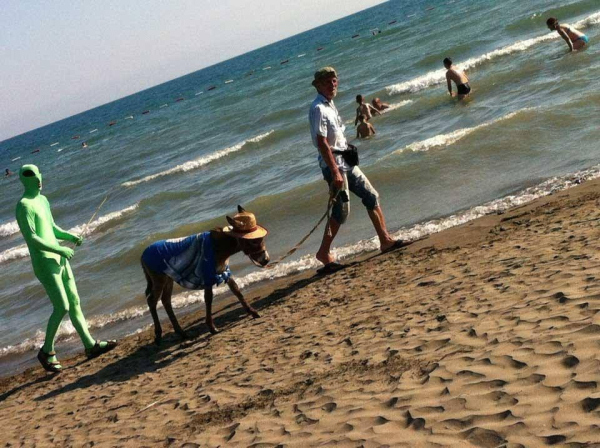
<point>51,267</point>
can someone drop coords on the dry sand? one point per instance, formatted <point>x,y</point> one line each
<point>485,335</point>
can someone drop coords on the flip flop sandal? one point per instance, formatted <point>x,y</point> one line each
<point>330,268</point>
<point>97,350</point>
<point>48,366</point>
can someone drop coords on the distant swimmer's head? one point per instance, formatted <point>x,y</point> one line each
<point>552,23</point>
<point>326,82</point>
<point>362,118</point>
<point>447,63</point>
<point>359,99</point>
<point>31,178</point>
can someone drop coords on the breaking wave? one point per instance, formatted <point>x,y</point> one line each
<point>9,228</point>
<point>454,136</point>
<point>194,164</point>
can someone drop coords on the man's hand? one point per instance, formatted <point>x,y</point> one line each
<point>338,180</point>
<point>66,252</point>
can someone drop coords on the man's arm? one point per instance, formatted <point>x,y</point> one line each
<point>357,115</point>
<point>373,110</point>
<point>372,128</point>
<point>26,222</point>
<point>449,81</point>
<point>67,236</point>
<point>325,151</point>
<point>565,36</point>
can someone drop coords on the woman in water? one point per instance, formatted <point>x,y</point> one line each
<point>575,39</point>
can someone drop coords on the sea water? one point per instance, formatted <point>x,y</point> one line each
<point>237,133</point>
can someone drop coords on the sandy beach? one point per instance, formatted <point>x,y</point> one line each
<point>483,335</point>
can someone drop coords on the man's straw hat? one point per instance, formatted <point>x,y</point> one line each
<point>243,225</point>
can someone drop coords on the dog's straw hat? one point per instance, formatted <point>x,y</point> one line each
<point>243,225</point>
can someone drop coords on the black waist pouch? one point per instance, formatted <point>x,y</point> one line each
<point>350,155</point>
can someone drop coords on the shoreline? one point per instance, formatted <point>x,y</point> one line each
<point>449,341</point>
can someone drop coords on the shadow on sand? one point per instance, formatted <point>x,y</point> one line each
<point>150,358</point>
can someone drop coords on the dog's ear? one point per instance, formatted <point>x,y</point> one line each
<point>241,209</point>
<point>230,220</point>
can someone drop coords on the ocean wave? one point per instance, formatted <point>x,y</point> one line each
<point>439,76</point>
<point>195,164</point>
<point>450,138</point>
<point>307,262</point>
<point>21,251</point>
<point>395,106</point>
<point>9,228</point>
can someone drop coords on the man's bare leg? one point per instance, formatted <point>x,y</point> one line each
<point>385,239</point>
<point>324,254</point>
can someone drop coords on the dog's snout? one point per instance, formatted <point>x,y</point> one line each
<point>264,258</point>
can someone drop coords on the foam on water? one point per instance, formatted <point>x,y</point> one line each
<point>439,76</point>
<point>306,262</point>
<point>195,164</point>
<point>9,228</point>
<point>442,140</point>
<point>395,106</point>
<point>21,251</point>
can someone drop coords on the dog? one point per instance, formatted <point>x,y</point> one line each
<point>199,262</point>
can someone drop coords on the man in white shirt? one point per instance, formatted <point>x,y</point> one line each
<point>327,131</point>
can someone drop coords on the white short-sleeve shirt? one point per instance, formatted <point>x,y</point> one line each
<point>325,121</point>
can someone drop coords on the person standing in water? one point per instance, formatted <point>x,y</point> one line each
<point>364,129</point>
<point>364,109</point>
<point>51,267</point>
<point>575,39</point>
<point>459,77</point>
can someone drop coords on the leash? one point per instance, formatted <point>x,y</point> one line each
<point>327,215</point>
<point>85,228</point>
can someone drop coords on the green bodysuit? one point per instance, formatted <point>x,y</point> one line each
<point>50,259</point>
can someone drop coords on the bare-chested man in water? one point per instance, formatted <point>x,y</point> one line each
<point>575,39</point>
<point>364,109</point>
<point>364,129</point>
<point>460,79</point>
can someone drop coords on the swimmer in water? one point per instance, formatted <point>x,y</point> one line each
<point>8,173</point>
<point>379,105</point>
<point>364,129</point>
<point>364,109</point>
<point>460,79</point>
<point>575,39</point>
<point>84,145</point>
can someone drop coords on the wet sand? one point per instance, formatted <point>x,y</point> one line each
<point>484,335</point>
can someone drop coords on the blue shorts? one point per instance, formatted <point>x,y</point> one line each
<point>583,38</point>
<point>358,184</point>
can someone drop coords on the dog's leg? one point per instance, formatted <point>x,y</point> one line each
<point>166,301</point>
<point>208,298</point>
<point>154,288</point>
<point>235,289</point>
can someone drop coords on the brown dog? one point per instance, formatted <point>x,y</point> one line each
<point>200,261</point>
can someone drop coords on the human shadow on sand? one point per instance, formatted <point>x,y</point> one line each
<point>150,358</point>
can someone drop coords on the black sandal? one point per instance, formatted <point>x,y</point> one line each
<point>97,350</point>
<point>48,366</point>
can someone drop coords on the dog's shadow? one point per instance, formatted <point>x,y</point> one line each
<point>150,357</point>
